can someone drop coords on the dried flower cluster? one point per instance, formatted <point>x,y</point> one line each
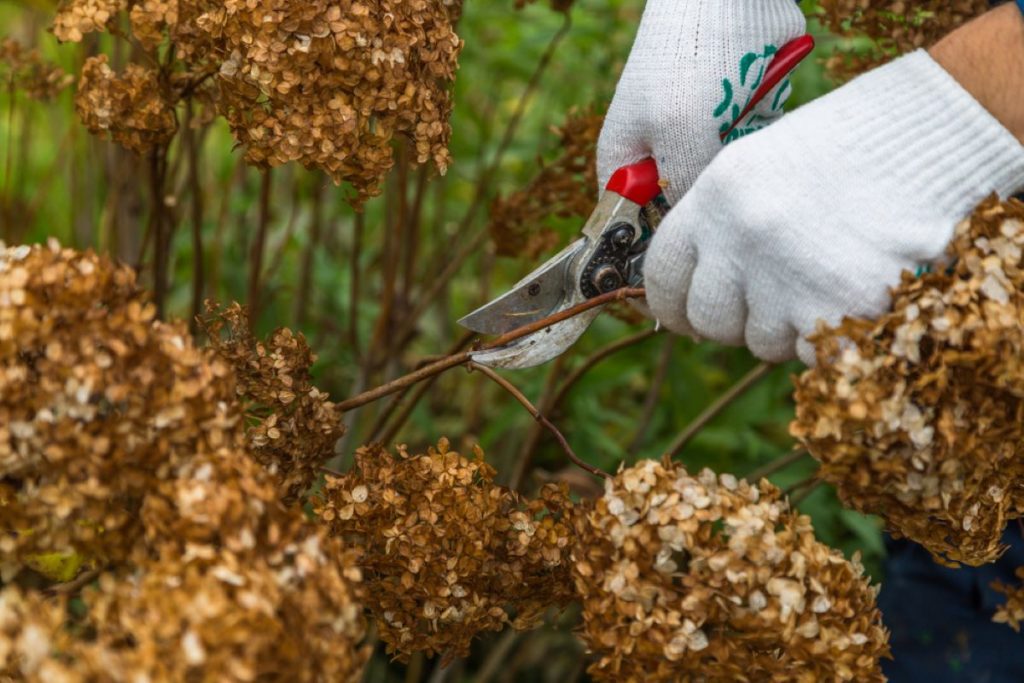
<point>123,443</point>
<point>711,578</point>
<point>328,85</point>
<point>296,426</point>
<point>916,417</point>
<point>895,27</point>
<point>564,188</point>
<point>26,71</point>
<point>233,587</point>
<point>75,18</point>
<point>1012,612</point>
<point>95,398</point>
<point>131,107</point>
<point>448,554</point>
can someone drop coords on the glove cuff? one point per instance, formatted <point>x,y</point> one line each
<point>918,125</point>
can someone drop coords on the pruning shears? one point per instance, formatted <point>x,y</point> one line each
<point>607,258</point>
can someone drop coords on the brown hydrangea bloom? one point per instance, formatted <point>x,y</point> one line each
<point>95,398</point>
<point>123,442</point>
<point>228,586</point>
<point>895,27</point>
<point>75,18</point>
<point>1012,612</point>
<point>329,85</point>
<point>712,578</point>
<point>565,188</point>
<point>294,425</point>
<point>29,73</point>
<point>448,554</point>
<point>151,19</point>
<point>332,85</point>
<point>236,585</point>
<point>31,634</point>
<point>132,108</point>
<point>916,417</point>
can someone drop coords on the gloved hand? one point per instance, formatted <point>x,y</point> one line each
<point>694,66</point>
<point>815,217</point>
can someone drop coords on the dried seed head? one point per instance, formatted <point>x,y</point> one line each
<point>295,425</point>
<point>914,417</point>
<point>29,73</point>
<point>332,88</point>
<point>448,554</point>
<point>708,578</point>
<point>95,398</point>
<point>132,108</point>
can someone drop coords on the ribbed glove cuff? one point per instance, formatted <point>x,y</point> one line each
<point>929,133</point>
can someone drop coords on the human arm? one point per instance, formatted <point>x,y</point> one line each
<point>815,217</point>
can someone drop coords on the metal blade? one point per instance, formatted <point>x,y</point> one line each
<point>536,296</point>
<point>540,347</point>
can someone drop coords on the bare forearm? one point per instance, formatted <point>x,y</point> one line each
<point>987,57</point>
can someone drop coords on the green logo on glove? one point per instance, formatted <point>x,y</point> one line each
<point>738,93</point>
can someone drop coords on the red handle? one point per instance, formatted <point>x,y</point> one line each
<point>785,60</point>
<point>638,183</point>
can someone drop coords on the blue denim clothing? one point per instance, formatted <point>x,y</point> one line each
<point>941,619</point>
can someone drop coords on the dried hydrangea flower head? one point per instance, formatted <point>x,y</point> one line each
<point>229,586</point>
<point>293,426</point>
<point>563,189</point>
<point>710,578</point>
<point>122,441</point>
<point>75,18</point>
<point>95,398</point>
<point>236,586</point>
<point>329,85</point>
<point>916,417</point>
<point>448,554</point>
<point>1012,611</point>
<point>26,71</point>
<point>895,27</point>
<point>131,107</point>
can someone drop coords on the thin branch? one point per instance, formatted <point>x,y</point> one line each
<point>302,296</point>
<point>465,356</point>
<point>798,492</point>
<point>651,401</point>
<point>537,415</point>
<point>74,585</point>
<point>382,419</point>
<point>483,185</point>
<point>776,465</point>
<point>196,192</point>
<point>713,411</point>
<point>358,228</point>
<point>595,358</point>
<point>256,251</point>
<point>526,450</point>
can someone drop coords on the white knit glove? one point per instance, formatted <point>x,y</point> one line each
<point>694,66</point>
<point>815,217</point>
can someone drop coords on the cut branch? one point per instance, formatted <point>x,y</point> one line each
<point>465,356</point>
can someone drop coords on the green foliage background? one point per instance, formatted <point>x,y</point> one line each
<point>56,182</point>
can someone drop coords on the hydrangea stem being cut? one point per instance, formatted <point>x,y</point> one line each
<point>464,357</point>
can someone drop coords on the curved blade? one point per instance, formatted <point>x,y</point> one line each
<point>536,296</point>
<point>540,347</point>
